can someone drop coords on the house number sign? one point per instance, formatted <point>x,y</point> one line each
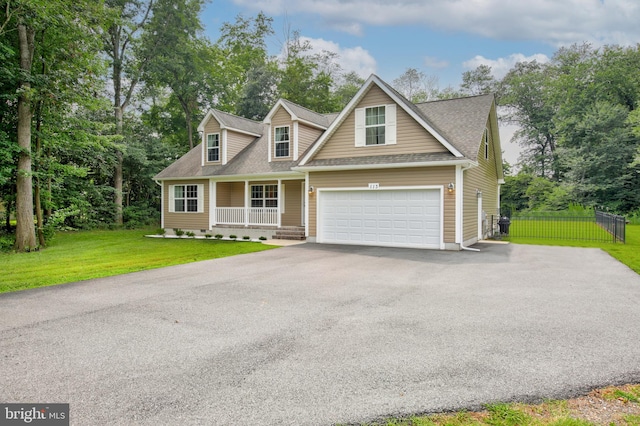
<point>374,186</point>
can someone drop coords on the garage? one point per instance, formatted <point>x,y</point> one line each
<point>381,217</point>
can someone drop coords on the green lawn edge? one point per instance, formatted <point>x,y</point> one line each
<point>627,253</point>
<point>84,255</point>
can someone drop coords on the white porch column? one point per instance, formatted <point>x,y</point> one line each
<point>212,204</point>
<point>246,203</point>
<point>280,198</point>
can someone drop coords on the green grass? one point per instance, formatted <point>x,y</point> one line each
<point>627,253</point>
<point>562,228</point>
<point>76,256</point>
<point>548,413</point>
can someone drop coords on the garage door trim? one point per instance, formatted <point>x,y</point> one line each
<point>440,188</point>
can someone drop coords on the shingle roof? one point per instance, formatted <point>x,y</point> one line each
<point>189,165</point>
<point>383,159</point>
<point>462,121</point>
<point>308,115</point>
<point>235,122</point>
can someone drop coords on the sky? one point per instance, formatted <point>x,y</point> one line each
<point>441,38</point>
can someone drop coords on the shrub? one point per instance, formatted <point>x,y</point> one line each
<point>246,237</point>
<point>233,237</point>
<point>179,232</point>
<point>56,222</point>
<point>140,216</point>
<point>263,238</point>
<point>7,242</point>
<point>190,234</point>
<point>161,231</point>
<point>218,236</point>
<point>207,236</point>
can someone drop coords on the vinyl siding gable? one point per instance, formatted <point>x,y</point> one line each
<point>411,137</point>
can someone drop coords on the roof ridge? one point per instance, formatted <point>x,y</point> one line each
<point>305,108</point>
<point>236,116</point>
<point>455,99</point>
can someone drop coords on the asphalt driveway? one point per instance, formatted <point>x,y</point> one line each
<point>317,335</point>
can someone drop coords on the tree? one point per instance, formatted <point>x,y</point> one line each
<point>347,87</point>
<point>305,78</point>
<point>260,92</point>
<point>479,81</point>
<point>527,95</point>
<point>241,50</point>
<point>25,230</point>
<point>121,35</point>
<point>177,56</point>
<point>416,86</point>
<point>51,40</point>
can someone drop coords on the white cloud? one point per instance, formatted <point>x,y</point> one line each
<point>556,22</point>
<point>432,62</point>
<point>501,66</point>
<point>349,58</point>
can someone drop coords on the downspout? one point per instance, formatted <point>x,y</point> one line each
<point>460,186</point>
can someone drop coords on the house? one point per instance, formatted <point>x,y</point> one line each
<point>383,172</point>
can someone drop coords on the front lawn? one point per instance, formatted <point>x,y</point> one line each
<point>76,256</point>
<point>627,253</point>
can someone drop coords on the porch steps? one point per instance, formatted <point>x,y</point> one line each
<point>289,233</point>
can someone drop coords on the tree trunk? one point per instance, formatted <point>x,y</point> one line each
<point>25,230</point>
<point>37,167</point>
<point>117,177</point>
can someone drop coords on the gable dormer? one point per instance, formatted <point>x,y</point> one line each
<point>225,135</point>
<point>378,121</point>
<point>292,130</point>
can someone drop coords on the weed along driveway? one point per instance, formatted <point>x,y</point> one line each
<point>315,335</point>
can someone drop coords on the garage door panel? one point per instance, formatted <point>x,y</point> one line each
<point>383,217</point>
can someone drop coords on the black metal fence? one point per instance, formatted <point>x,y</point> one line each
<point>613,224</point>
<point>579,226</point>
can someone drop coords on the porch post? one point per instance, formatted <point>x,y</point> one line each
<point>279,206</point>
<point>246,203</point>
<point>213,217</point>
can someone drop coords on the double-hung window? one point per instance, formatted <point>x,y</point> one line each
<point>375,125</point>
<point>185,198</point>
<point>264,195</point>
<point>213,147</point>
<point>282,141</point>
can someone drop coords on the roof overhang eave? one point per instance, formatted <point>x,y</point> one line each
<point>457,162</point>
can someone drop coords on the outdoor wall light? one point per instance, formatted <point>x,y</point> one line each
<point>451,187</point>
<point>311,190</point>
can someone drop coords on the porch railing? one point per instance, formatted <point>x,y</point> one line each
<point>246,216</point>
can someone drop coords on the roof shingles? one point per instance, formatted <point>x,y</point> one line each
<point>460,121</point>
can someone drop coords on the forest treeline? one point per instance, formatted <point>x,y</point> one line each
<point>96,97</point>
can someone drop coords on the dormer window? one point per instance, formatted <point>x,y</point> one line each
<point>213,147</point>
<point>282,141</point>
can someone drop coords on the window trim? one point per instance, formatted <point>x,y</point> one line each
<point>208,148</point>
<point>264,198</point>
<point>389,125</point>
<point>276,142</point>
<point>199,197</point>
<point>375,126</point>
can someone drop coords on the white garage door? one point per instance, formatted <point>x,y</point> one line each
<point>397,218</point>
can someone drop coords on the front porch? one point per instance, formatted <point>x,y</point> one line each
<point>278,203</point>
